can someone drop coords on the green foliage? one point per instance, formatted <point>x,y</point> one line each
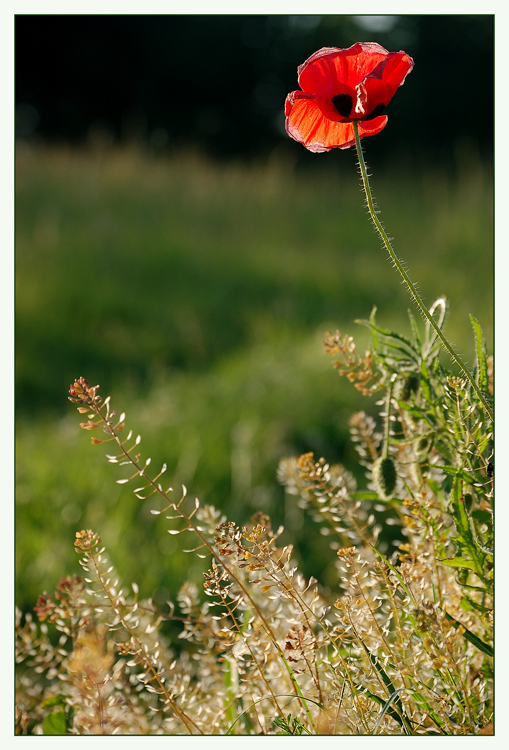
<point>287,725</point>
<point>481,364</point>
<point>57,721</point>
<point>173,263</point>
<point>397,636</point>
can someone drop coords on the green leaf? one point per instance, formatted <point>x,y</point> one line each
<point>469,605</point>
<point>481,364</point>
<point>293,728</point>
<point>391,339</point>
<point>296,685</point>
<point>272,697</point>
<point>55,700</point>
<point>375,343</point>
<point>458,562</point>
<point>465,542</point>
<point>375,661</point>
<point>485,439</point>
<point>364,496</point>
<point>380,701</point>
<point>421,700</point>
<point>386,708</point>
<point>436,488</point>
<point>433,351</point>
<point>230,697</point>
<point>415,331</point>
<point>458,507</point>
<point>55,723</point>
<point>376,497</point>
<point>456,472</point>
<point>483,516</point>
<point>416,412</point>
<point>471,637</point>
<point>425,383</point>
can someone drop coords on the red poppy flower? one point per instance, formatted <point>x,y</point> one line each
<point>342,85</point>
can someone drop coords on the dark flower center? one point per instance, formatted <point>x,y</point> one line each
<point>343,104</point>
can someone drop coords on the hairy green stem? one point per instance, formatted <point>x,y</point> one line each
<point>410,286</point>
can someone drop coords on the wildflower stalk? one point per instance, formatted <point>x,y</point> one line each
<point>85,544</point>
<point>96,405</point>
<point>296,686</point>
<point>238,628</point>
<point>411,287</point>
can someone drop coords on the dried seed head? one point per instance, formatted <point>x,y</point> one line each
<point>346,552</point>
<point>456,383</point>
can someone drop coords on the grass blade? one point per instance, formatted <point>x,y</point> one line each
<point>388,684</point>
<point>385,709</point>
<point>471,637</point>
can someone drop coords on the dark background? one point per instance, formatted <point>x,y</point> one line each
<point>219,82</point>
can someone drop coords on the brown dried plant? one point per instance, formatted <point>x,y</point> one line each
<point>402,647</point>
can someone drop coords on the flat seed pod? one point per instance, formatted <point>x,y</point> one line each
<point>385,476</point>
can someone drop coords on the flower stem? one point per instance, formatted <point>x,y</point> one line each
<point>410,286</point>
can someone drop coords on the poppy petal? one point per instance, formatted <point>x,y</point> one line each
<point>382,83</point>
<point>306,123</point>
<point>330,66</point>
<point>371,127</point>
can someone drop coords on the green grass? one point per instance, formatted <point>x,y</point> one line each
<point>197,294</point>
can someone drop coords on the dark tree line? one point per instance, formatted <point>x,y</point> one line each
<point>220,81</point>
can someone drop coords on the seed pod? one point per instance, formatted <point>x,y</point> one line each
<point>406,385</point>
<point>385,476</point>
<point>423,447</point>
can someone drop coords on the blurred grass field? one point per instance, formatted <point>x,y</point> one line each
<point>197,295</point>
